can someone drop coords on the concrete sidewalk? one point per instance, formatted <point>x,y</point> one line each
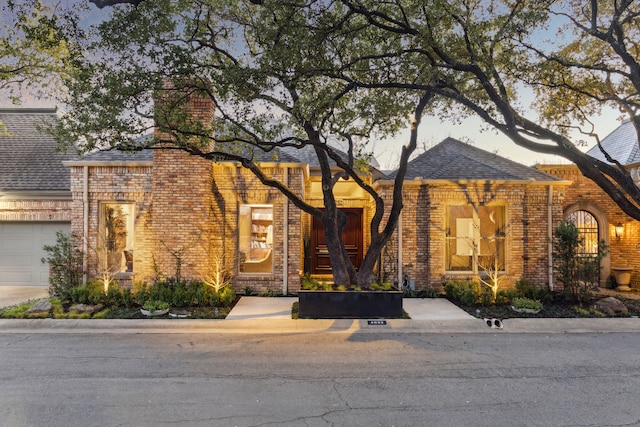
<point>13,295</point>
<point>261,315</point>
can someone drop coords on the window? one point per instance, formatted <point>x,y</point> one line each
<point>587,226</point>
<point>588,251</point>
<point>475,238</point>
<point>255,228</point>
<point>116,237</point>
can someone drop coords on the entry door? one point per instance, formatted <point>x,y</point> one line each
<point>351,236</point>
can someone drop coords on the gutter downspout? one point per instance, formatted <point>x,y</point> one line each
<point>285,246</point>
<point>399,229</point>
<point>550,235</point>
<point>85,220</point>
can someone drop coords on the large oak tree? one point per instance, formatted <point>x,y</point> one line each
<point>534,70</point>
<point>281,76</point>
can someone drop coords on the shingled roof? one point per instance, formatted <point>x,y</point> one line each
<point>621,144</point>
<point>454,160</point>
<point>28,157</point>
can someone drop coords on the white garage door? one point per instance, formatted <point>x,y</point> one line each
<point>21,251</point>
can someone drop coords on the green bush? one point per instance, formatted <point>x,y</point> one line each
<point>65,265</point>
<point>153,305</point>
<point>227,296</point>
<point>308,283</point>
<point>529,290</point>
<point>526,303</point>
<point>465,291</point>
<point>183,294</point>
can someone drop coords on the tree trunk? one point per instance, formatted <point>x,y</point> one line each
<point>343,271</point>
<point>365,275</point>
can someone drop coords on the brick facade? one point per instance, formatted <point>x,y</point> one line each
<point>113,183</point>
<point>203,222</point>
<point>584,194</point>
<point>33,209</point>
<point>423,229</point>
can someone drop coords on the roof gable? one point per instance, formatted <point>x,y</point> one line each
<point>454,160</point>
<point>621,144</point>
<point>30,161</point>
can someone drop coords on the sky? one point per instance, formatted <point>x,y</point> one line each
<point>432,129</point>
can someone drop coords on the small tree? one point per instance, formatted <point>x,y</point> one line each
<point>65,265</point>
<point>115,237</point>
<point>492,264</point>
<point>218,275</point>
<point>578,272</point>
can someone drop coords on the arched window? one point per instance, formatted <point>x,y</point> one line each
<point>587,225</point>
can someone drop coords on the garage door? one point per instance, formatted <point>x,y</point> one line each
<point>21,251</point>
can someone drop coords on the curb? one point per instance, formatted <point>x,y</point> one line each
<point>283,326</point>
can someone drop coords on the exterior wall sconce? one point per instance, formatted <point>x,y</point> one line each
<point>619,230</point>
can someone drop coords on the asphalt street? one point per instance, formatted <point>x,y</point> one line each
<point>336,377</point>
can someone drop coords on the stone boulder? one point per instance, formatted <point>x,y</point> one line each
<point>43,306</point>
<point>610,305</point>
<point>85,308</point>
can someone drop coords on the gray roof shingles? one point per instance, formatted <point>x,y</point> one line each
<point>621,144</point>
<point>28,157</point>
<point>454,160</point>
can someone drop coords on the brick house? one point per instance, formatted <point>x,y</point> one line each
<point>162,213</point>
<point>595,214</point>
<point>467,211</point>
<point>180,209</point>
<point>35,200</point>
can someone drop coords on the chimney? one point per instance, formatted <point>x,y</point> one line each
<point>182,183</point>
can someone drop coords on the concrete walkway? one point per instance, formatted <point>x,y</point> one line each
<point>280,308</point>
<point>12,295</point>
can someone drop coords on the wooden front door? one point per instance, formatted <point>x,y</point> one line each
<point>351,236</point>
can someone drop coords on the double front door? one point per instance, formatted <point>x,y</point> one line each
<point>351,236</point>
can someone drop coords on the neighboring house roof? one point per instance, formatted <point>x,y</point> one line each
<point>29,160</point>
<point>454,160</point>
<point>117,156</point>
<point>621,144</point>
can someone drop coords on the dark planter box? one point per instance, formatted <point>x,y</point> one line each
<point>349,304</point>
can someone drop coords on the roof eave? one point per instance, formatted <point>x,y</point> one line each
<point>35,195</point>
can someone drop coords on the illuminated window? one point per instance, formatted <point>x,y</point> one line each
<point>255,228</point>
<point>587,226</point>
<point>116,237</point>
<point>475,238</point>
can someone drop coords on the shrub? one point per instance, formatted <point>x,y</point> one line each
<point>428,293</point>
<point>578,273</point>
<point>227,296</point>
<point>526,303</point>
<point>308,283</point>
<point>153,305</point>
<point>465,291</point>
<point>529,290</point>
<point>505,296</point>
<point>65,265</point>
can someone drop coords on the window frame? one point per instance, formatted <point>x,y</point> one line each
<point>473,227</point>
<point>255,237</point>
<point>126,259</point>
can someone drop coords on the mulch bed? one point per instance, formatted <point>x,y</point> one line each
<point>556,309</point>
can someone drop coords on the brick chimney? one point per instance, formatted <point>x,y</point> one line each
<point>182,186</point>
